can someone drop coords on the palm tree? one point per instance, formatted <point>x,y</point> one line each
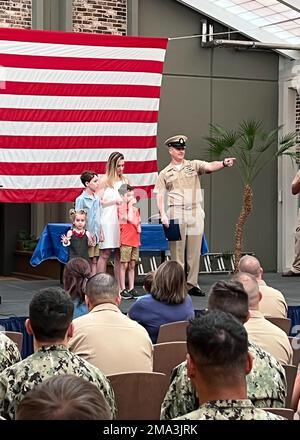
<point>251,145</point>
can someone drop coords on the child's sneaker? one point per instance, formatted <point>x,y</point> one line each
<point>125,294</point>
<point>134,293</point>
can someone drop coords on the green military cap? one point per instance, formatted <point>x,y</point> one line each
<point>178,141</point>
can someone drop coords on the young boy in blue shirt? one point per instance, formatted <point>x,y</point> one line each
<point>90,201</point>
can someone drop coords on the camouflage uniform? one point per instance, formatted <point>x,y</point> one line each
<point>17,380</point>
<point>266,386</point>
<point>229,410</point>
<point>9,353</point>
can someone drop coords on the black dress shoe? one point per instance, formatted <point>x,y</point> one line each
<point>196,291</point>
<point>290,273</point>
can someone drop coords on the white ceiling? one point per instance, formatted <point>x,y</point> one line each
<point>269,21</point>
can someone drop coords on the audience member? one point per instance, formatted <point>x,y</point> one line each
<point>167,302</point>
<point>64,397</point>
<point>50,323</point>
<point>261,331</point>
<point>76,273</point>
<point>218,362</point>
<point>9,352</point>
<point>105,336</point>
<point>148,282</point>
<point>272,301</point>
<point>266,382</point>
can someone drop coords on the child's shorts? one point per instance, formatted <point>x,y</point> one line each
<point>129,253</point>
<point>94,251</point>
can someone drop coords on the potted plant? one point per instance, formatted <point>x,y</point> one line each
<point>250,145</point>
<point>26,241</point>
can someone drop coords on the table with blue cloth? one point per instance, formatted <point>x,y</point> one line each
<point>49,245</point>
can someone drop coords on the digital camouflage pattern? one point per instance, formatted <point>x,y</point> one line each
<point>9,353</point>
<point>18,379</point>
<point>266,385</point>
<point>230,410</point>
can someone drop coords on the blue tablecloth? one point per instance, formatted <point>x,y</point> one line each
<point>49,245</point>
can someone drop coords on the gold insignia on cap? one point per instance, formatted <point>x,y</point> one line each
<point>176,141</point>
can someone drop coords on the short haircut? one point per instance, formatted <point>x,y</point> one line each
<point>64,397</point>
<point>251,287</point>
<point>102,288</point>
<point>125,188</point>
<point>50,314</point>
<point>76,273</point>
<point>169,283</point>
<point>249,264</point>
<point>230,297</point>
<point>218,345</point>
<point>148,281</point>
<point>87,176</point>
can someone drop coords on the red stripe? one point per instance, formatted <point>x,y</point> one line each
<point>13,114</point>
<point>55,195</point>
<point>71,142</point>
<point>70,168</point>
<point>86,39</point>
<point>88,64</point>
<point>57,89</point>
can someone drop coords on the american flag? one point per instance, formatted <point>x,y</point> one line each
<point>68,101</point>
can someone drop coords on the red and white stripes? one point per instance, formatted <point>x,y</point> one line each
<point>69,100</point>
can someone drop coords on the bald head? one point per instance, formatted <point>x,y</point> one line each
<point>249,264</point>
<point>251,288</point>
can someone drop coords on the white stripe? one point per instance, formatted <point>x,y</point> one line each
<point>59,182</point>
<point>81,51</point>
<point>20,128</point>
<point>11,155</point>
<point>78,102</point>
<point>79,77</point>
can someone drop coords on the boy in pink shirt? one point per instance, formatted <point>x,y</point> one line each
<point>130,231</point>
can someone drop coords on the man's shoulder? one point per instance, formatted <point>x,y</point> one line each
<point>266,371</point>
<point>166,169</point>
<point>22,370</point>
<point>272,291</point>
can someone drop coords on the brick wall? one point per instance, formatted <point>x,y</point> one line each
<point>100,16</point>
<point>15,13</point>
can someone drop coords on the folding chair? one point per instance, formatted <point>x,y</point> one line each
<point>295,343</point>
<point>290,374</point>
<point>139,395</point>
<point>287,413</point>
<point>168,355</point>
<point>283,323</point>
<point>174,331</point>
<point>17,337</point>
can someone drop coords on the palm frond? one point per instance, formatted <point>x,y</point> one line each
<point>220,140</point>
<point>286,142</point>
<point>267,140</point>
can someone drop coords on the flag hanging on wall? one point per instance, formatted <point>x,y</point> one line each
<point>68,100</point>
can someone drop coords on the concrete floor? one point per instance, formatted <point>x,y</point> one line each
<point>16,293</point>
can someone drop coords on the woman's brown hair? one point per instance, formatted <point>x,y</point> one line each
<point>111,168</point>
<point>76,274</point>
<point>169,283</point>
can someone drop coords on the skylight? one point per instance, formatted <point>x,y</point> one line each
<point>268,21</point>
<point>280,20</point>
